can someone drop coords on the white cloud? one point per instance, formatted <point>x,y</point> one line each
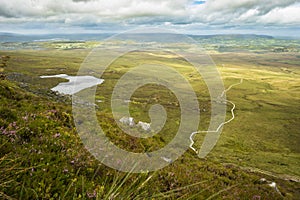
<point>289,15</point>
<point>111,8</point>
<point>164,12</point>
<point>239,11</point>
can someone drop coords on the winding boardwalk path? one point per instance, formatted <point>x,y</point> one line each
<point>223,100</point>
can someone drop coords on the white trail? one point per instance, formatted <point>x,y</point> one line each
<point>222,124</point>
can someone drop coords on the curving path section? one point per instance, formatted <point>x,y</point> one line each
<point>222,124</point>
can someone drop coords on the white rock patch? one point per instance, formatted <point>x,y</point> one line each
<point>127,121</point>
<point>145,126</point>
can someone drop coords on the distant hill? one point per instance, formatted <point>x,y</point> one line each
<point>232,36</point>
<point>12,37</point>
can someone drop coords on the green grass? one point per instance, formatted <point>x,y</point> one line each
<point>44,158</point>
<point>265,133</point>
<point>41,155</point>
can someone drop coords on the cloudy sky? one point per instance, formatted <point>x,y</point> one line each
<point>273,17</point>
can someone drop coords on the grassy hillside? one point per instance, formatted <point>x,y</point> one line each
<point>41,155</point>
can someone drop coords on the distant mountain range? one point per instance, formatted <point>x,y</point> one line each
<point>234,36</point>
<point>12,37</point>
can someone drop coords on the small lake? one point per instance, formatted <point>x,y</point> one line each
<point>75,84</point>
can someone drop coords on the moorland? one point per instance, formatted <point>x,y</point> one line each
<point>42,156</point>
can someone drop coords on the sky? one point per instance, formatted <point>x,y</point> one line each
<point>269,17</point>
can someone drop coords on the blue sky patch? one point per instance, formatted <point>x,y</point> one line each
<point>199,2</point>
